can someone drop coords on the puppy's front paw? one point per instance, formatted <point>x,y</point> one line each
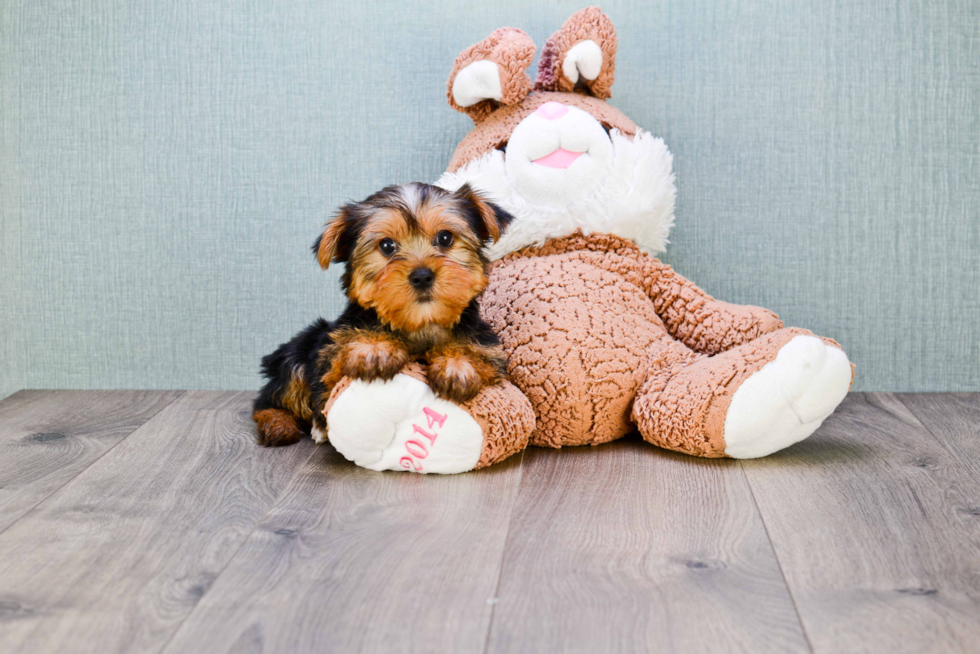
<point>372,361</point>
<point>458,378</point>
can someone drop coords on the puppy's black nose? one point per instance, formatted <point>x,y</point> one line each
<point>421,278</point>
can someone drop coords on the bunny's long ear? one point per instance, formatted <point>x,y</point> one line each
<point>581,56</point>
<point>491,72</point>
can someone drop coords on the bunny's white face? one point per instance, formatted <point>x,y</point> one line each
<point>593,182</point>
<point>558,155</point>
<point>553,153</point>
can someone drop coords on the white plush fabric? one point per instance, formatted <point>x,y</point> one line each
<point>621,186</point>
<point>787,399</point>
<point>402,425</point>
<point>585,58</point>
<point>477,82</point>
<point>538,136</point>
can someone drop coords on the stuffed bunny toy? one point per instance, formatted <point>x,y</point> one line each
<point>602,339</point>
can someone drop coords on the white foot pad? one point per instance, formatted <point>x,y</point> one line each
<point>787,399</point>
<point>402,425</point>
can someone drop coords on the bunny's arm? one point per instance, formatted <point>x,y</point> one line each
<point>698,320</point>
<point>690,315</point>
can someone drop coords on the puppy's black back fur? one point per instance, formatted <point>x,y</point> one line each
<point>295,360</point>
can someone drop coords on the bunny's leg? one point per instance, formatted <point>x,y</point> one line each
<point>402,425</point>
<point>747,402</point>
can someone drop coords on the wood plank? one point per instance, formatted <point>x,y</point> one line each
<point>865,517</point>
<point>118,557</point>
<point>628,548</point>
<point>954,420</point>
<point>49,437</point>
<point>354,560</point>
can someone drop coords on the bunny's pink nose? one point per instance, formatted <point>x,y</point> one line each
<point>552,110</point>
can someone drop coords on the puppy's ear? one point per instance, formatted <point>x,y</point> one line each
<point>490,220</point>
<point>580,56</point>
<point>334,244</point>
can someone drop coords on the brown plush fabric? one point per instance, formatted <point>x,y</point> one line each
<point>507,419</point>
<point>513,51</point>
<point>576,336</point>
<point>689,314</point>
<point>495,130</point>
<point>584,25</point>
<point>589,324</point>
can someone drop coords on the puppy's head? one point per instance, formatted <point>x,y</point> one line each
<point>414,252</point>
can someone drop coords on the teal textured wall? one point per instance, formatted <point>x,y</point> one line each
<point>165,166</point>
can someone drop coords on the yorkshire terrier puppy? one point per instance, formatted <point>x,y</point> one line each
<point>415,266</point>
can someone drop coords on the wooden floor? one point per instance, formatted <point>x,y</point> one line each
<point>143,521</point>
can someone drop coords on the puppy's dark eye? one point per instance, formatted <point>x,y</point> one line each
<point>444,239</point>
<point>387,246</point>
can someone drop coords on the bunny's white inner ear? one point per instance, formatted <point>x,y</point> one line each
<point>584,57</point>
<point>478,82</point>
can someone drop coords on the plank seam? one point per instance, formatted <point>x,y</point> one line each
<point>503,551</point>
<point>775,555</point>
<point>234,555</point>
<point>921,422</point>
<point>92,463</point>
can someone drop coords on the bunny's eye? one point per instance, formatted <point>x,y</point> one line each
<point>387,246</point>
